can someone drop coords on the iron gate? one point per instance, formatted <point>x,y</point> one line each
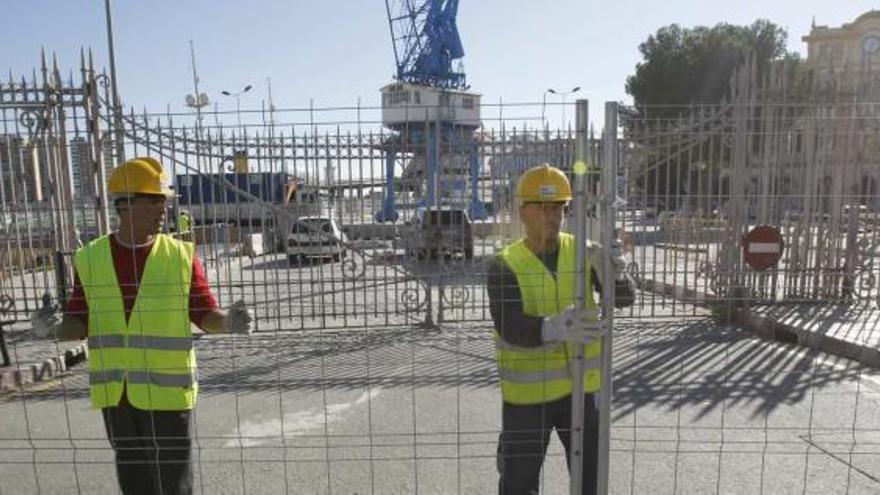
<point>245,186</point>
<point>796,156</point>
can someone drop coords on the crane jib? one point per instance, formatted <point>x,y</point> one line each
<point>426,42</point>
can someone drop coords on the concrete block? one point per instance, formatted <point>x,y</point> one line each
<point>870,356</point>
<point>253,245</point>
<point>811,340</point>
<point>7,380</point>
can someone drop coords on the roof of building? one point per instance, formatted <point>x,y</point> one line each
<point>871,14</point>
<point>826,32</point>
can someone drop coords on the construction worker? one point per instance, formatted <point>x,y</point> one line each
<point>135,293</point>
<point>184,226</point>
<point>531,286</point>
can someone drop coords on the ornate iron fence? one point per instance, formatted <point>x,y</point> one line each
<point>794,156</point>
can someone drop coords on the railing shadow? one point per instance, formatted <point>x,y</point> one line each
<point>709,366</point>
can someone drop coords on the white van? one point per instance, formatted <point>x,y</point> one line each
<point>315,237</point>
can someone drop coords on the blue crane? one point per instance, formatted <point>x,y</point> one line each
<point>435,115</point>
<point>426,42</point>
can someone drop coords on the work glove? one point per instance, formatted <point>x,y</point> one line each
<point>46,319</point>
<point>619,259</point>
<point>239,319</point>
<point>572,325</point>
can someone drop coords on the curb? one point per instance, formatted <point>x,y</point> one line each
<point>670,246</point>
<point>17,378</point>
<point>768,327</point>
<point>776,330</point>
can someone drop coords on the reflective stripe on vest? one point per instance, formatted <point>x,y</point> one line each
<point>544,375</point>
<point>141,342</point>
<point>503,344</point>
<point>150,355</point>
<point>141,377</point>
<point>534,375</point>
<point>106,342</point>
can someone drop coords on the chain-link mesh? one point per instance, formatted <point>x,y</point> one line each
<point>372,368</point>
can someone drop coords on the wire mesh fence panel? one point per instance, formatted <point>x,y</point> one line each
<point>787,156</point>
<point>362,250</point>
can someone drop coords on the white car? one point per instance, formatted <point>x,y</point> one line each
<point>315,237</point>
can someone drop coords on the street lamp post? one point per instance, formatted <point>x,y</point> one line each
<point>119,134</point>
<point>543,108</point>
<point>702,206</point>
<point>197,100</point>
<point>237,97</point>
<point>563,94</point>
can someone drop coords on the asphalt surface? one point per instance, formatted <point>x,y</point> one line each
<point>698,408</point>
<point>341,391</point>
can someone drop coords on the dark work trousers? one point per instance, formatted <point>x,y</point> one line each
<point>152,449</point>
<point>524,437</point>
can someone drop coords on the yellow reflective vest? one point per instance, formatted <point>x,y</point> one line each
<point>151,356</point>
<point>536,375</point>
<point>183,223</point>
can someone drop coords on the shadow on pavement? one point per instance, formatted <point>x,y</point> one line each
<point>702,364</point>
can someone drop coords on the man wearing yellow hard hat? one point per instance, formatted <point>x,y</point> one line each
<point>135,294</point>
<point>531,286</point>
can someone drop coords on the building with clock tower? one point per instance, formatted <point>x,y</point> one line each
<point>831,134</point>
<point>851,47</point>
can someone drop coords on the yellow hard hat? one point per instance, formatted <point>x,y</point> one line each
<point>543,183</point>
<point>141,175</point>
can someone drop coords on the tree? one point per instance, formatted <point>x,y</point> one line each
<point>684,66</point>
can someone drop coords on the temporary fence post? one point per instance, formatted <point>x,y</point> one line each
<point>576,454</point>
<point>607,215</point>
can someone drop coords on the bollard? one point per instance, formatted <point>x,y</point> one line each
<point>3,351</point>
<point>61,275</point>
<point>6,307</point>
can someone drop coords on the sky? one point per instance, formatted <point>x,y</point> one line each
<point>329,53</point>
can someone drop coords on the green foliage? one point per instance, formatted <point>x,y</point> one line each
<point>686,66</point>
<point>693,65</point>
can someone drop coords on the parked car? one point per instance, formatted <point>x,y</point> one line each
<point>434,232</point>
<point>315,237</point>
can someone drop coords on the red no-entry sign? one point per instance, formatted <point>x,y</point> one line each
<point>762,247</point>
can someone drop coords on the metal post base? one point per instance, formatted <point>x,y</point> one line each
<point>387,214</point>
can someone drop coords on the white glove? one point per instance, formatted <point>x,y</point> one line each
<point>572,325</point>
<point>619,259</point>
<point>46,319</point>
<point>239,319</point>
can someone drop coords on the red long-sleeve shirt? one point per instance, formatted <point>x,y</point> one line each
<point>129,263</point>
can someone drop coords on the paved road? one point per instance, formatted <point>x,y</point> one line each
<point>699,408</point>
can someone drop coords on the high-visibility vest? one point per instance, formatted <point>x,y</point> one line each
<point>151,356</point>
<point>183,223</point>
<point>536,375</point>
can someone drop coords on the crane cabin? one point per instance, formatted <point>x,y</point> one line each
<point>404,103</point>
